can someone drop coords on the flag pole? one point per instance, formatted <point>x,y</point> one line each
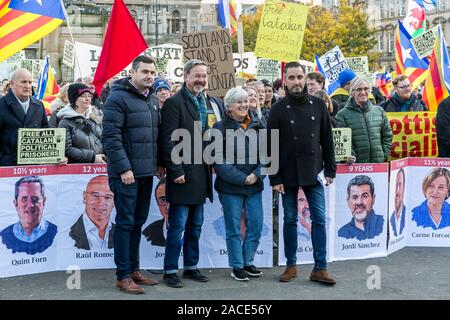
<point>71,36</point>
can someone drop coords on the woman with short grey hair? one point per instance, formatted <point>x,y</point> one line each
<point>371,132</point>
<point>240,184</point>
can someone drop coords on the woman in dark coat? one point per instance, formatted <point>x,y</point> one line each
<point>83,128</point>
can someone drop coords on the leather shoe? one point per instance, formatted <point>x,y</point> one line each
<point>129,286</point>
<point>322,276</point>
<point>195,275</point>
<point>289,274</point>
<point>139,278</point>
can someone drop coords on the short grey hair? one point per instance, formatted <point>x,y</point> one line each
<point>233,95</point>
<point>188,66</point>
<point>356,82</point>
<point>255,83</point>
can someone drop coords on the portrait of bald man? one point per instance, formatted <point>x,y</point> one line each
<point>94,229</point>
<point>18,109</point>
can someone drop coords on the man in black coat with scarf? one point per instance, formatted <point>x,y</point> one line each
<point>188,181</point>
<point>305,147</point>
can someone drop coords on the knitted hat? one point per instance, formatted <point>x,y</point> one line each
<point>75,90</point>
<point>266,83</point>
<point>346,76</point>
<point>160,83</point>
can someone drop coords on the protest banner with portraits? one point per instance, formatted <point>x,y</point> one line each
<point>428,214</point>
<point>398,186</point>
<point>360,212</point>
<point>28,219</point>
<point>304,226</point>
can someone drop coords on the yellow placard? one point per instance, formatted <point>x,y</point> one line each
<point>414,134</point>
<point>281,29</point>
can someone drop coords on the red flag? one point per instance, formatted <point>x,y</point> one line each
<point>123,42</point>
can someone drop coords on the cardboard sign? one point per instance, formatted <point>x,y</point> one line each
<point>208,14</point>
<point>359,65</point>
<point>69,54</point>
<point>214,48</point>
<point>342,138</point>
<point>424,43</point>
<point>41,146</point>
<point>280,34</point>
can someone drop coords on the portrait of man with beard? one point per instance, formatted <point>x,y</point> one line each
<point>365,224</point>
<point>304,216</point>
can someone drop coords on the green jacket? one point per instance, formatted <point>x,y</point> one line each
<point>371,132</point>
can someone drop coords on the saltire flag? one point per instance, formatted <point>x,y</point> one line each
<point>414,19</point>
<point>407,60</point>
<point>123,43</point>
<point>437,84</point>
<point>228,15</point>
<point>23,22</point>
<point>428,5</point>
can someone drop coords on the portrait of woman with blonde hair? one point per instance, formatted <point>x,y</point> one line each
<point>434,212</point>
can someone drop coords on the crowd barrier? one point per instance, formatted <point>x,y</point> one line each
<point>67,198</point>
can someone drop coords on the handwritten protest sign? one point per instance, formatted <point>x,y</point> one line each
<point>214,48</point>
<point>41,146</point>
<point>268,69</point>
<point>342,143</point>
<point>281,29</point>
<point>424,43</point>
<point>359,65</point>
<point>69,54</point>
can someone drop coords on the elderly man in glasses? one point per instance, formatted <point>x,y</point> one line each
<point>403,100</point>
<point>371,132</point>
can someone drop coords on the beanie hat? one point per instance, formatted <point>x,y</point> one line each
<point>160,83</point>
<point>75,90</point>
<point>346,76</point>
<point>266,83</point>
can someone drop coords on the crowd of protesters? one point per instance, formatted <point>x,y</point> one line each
<point>130,127</point>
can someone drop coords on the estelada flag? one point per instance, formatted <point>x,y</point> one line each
<point>123,42</point>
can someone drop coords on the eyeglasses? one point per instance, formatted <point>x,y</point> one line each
<point>404,87</point>
<point>362,89</point>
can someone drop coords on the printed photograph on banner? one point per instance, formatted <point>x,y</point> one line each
<point>361,212</point>
<point>398,191</point>
<point>86,217</point>
<point>28,221</point>
<point>213,247</point>
<point>304,225</point>
<point>428,204</point>
<point>154,231</point>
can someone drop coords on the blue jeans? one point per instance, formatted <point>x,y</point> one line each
<point>316,200</point>
<point>240,253</point>
<point>132,203</point>
<point>187,218</point>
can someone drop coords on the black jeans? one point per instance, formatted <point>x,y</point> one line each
<point>132,203</point>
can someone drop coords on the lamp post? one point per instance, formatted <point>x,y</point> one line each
<point>154,9</point>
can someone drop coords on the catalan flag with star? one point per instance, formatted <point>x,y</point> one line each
<point>23,22</point>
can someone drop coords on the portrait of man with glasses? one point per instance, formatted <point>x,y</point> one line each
<point>94,229</point>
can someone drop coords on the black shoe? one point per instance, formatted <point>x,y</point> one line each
<point>172,280</point>
<point>195,275</point>
<point>252,271</point>
<point>239,274</point>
